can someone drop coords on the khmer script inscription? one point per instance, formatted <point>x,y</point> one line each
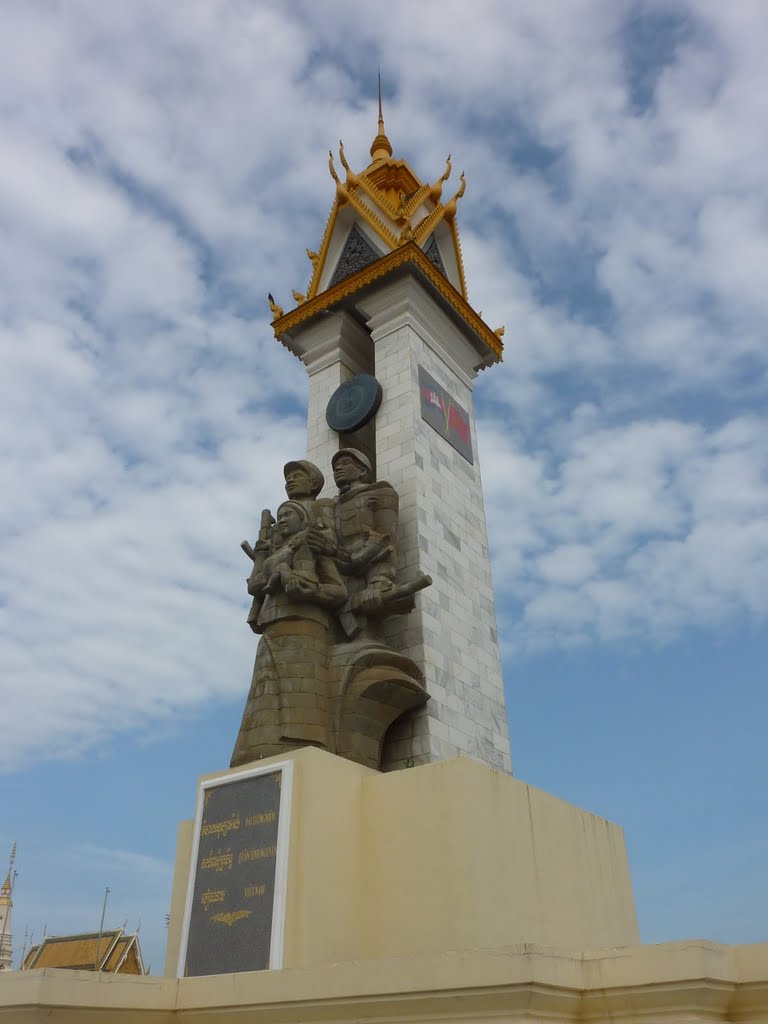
<point>233,895</point>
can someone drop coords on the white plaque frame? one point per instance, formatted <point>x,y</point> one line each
<point>277,935</point>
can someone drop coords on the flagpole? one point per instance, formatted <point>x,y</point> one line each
<point>101,929</point>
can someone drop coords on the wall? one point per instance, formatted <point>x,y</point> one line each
<point>450,855</point>
<point>678,983</point>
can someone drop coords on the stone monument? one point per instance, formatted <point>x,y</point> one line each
<point>392,347</point>
<point>373,604</point>
<point>324,579</point>
<point>450,889</point>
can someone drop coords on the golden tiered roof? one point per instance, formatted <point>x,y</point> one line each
<point>112,951</point>
<point>391,200</point>
<point>403,220</point>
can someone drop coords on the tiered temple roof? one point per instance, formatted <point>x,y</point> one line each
<point>383,217</point>
<point>111,951</point>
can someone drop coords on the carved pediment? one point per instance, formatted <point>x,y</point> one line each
<point>356,254</point>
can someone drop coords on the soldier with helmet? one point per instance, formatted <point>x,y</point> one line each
<point>365,523</point>
<point>324,574</point>
<point>366,527</point>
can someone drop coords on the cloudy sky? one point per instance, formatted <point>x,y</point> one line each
<point>162,167</point>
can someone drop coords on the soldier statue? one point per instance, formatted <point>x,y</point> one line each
<point>324,576</point>
<point>365,521</point>
<point>294,589</point>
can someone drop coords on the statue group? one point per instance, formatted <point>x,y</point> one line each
<point>324,578</point>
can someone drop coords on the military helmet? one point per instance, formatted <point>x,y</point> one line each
<point>358,456</point>
<point>316,478</point>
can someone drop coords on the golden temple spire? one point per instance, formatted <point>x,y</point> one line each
<point>5,892</point>
<point>381,147</point>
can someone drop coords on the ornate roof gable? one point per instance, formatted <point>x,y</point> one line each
<point>382,218</point>
<point>379,209</point>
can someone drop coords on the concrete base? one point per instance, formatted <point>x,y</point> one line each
<point>449,855</point>
<point>445,892</point>
<point>678,983</point>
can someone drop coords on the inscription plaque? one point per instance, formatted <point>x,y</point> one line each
<point>235,898</point>
<point>353,403</point>
<point>444,415</point>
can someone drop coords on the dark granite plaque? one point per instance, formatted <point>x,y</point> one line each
<point>447,417</point>
<point>353,403</point>
<point>230,918</point>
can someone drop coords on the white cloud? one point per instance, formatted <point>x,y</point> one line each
<point>644,528</point>
<point>158,175</point>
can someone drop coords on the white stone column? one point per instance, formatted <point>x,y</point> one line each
<point>452,634</point>
<point>333,349</point>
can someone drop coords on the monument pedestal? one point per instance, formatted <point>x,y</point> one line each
<point>450,891</point>
<point>452,855</point>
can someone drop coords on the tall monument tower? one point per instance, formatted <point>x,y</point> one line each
<point>6,910</point>
<point>387,299</point>
<point>378,650</point>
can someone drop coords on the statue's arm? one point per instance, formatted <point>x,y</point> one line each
<point>322,539</point>
<point>257,582</point>
<point>328,590</point>
<point>330,595</point>
<point>376,548</point>
<point>332,590</point>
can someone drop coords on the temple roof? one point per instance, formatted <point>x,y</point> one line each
<point>378,211</point>
<point>389,205</point>
<point>114,951</point>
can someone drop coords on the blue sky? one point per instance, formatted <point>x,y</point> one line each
<point>158,176</point>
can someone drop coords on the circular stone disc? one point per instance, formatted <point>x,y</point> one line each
<point>353,404</point>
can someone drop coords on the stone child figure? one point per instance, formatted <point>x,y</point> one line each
<point>294,590</point>
<point>292,572</point>
<point>324,574</point>
<point>303,483</point>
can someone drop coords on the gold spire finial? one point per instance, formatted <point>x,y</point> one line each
<point>5,892</point>
<point>381,147</point>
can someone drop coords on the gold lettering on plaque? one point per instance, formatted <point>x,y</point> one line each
<point>231,916</point>
<point>263,818</point>
<point>257,853</point>
<point>255,890</point>
<point>221,828</point>
<point>218,861</point>
<point>212,896</point>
